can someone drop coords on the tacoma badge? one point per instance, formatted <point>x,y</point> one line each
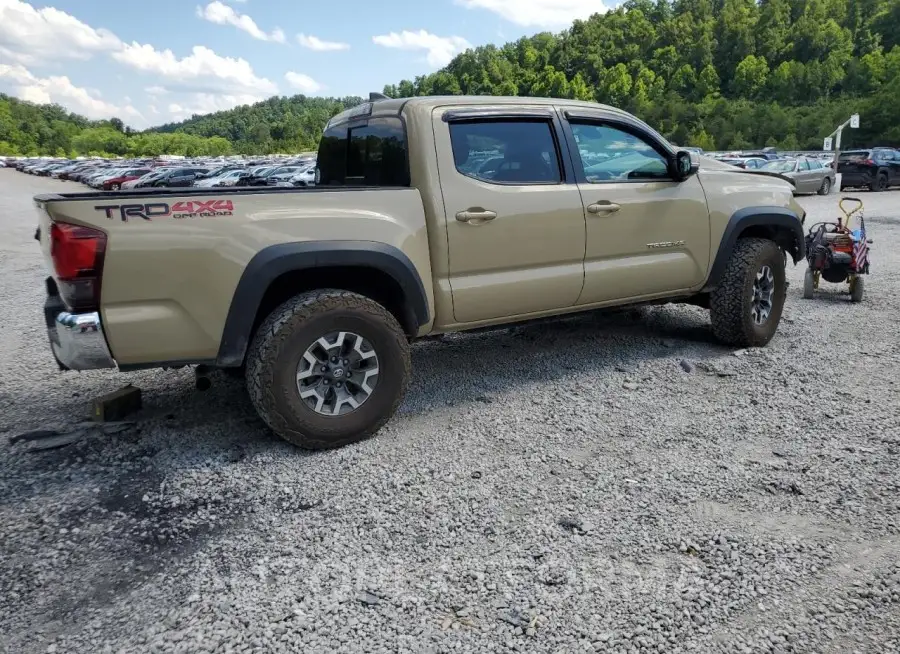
<point>666,244</point>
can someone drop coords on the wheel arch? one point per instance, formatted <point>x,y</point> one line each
<point>777,224</point>
<point>276,273</point>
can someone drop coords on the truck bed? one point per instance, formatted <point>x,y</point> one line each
<point>174,257</point>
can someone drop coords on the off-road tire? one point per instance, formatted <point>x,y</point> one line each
<point>880,183</point>
<point>809,285</point>
<point>825,189</point>
<point>856,290</point>
<point>730,302</point>
<point>281,341</point>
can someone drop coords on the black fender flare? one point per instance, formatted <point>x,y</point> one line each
<point>270,263</point>
<point>785,222</point>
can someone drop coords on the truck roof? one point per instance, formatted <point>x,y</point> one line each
<point>393,106</point>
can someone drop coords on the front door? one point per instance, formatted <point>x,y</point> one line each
<point>514,217</point>
<point>647,235</point>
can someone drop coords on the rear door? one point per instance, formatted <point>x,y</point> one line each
<point>805,181</point>
<point>647,234</point>
<point>515,222</point>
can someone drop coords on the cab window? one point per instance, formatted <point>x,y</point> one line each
<point>367,153</point>
<point>611,154</point>
<point>515,152</point>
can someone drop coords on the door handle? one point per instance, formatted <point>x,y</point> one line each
<point>603,207</point>
<point>475,216</point>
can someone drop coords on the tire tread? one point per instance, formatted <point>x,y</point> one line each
<point>726,303</point>
<point>266,344</point>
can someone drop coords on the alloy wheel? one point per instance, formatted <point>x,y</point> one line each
<point>763,295</point>
<point>337,374</point>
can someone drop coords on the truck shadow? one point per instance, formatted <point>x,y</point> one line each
<point>463,367</point>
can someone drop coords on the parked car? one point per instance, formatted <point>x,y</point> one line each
<point>46,169</point>
<point>115,182</point>
<point>147,180</point>
<point>256,176</point>
<point>96,181</point>
<point>304,178</point>
<point>876,168</point>
<point>221,170</point>
<point>746,162</point>
<point>809,175</point>
<point>228,178</point>
<point>283,174</point>
<point>178,177</point>
<point>318,295</point>
<point>769,154</point>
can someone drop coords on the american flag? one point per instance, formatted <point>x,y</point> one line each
<point>861,248</point>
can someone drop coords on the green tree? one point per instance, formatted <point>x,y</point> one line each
<point>708,82</point>
<point>751,76</point>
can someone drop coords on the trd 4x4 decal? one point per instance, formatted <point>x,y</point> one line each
<point>191,209</point>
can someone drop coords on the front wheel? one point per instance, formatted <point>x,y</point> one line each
<point>809,285</point>
<point>328,368</point>
<point>746,306</point>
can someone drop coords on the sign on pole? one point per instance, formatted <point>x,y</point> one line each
<point>827,145</point>
<point>854,121</point>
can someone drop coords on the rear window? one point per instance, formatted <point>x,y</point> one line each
<point>367,153</point>
<point>854,156</point>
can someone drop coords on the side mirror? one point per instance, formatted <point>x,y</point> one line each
<point>683,165</point>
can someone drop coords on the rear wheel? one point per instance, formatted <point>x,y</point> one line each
<point>746,306</point>
<point>328,368</point>
<point>825,189</point>
<point>880,183</point>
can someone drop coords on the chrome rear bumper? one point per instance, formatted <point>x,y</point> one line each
<point>77,339</point>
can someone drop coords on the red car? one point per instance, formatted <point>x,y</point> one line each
<point>115,183</point>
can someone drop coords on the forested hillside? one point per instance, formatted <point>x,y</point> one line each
<point>712,73</point>
<point>719,74</point>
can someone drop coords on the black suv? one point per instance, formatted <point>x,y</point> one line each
<point>877,168</point>
<point>179,177</point>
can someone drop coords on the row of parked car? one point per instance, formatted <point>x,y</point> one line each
<point>115,175</point>
<point>874,168</point>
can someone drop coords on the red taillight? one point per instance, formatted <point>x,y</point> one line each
<point>77,254</point>
<point>869,162</point>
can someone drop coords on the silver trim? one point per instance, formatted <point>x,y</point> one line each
<point>79,342</point>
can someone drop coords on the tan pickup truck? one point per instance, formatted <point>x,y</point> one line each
<point>431,215</point>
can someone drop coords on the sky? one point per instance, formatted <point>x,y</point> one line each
<point>150,62</point>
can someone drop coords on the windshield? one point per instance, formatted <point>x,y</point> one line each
<point>779,166</point>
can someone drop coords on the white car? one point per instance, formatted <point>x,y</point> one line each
<point>305,177</point>
<point>228,178</point>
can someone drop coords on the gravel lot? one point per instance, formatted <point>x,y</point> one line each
<point>562,487</point>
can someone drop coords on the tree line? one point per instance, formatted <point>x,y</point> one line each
<point>31,130</point>
<point>718,74</point>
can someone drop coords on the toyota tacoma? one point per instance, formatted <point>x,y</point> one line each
<point>429,215</point>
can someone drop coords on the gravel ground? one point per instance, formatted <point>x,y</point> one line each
<point>614,483</point>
